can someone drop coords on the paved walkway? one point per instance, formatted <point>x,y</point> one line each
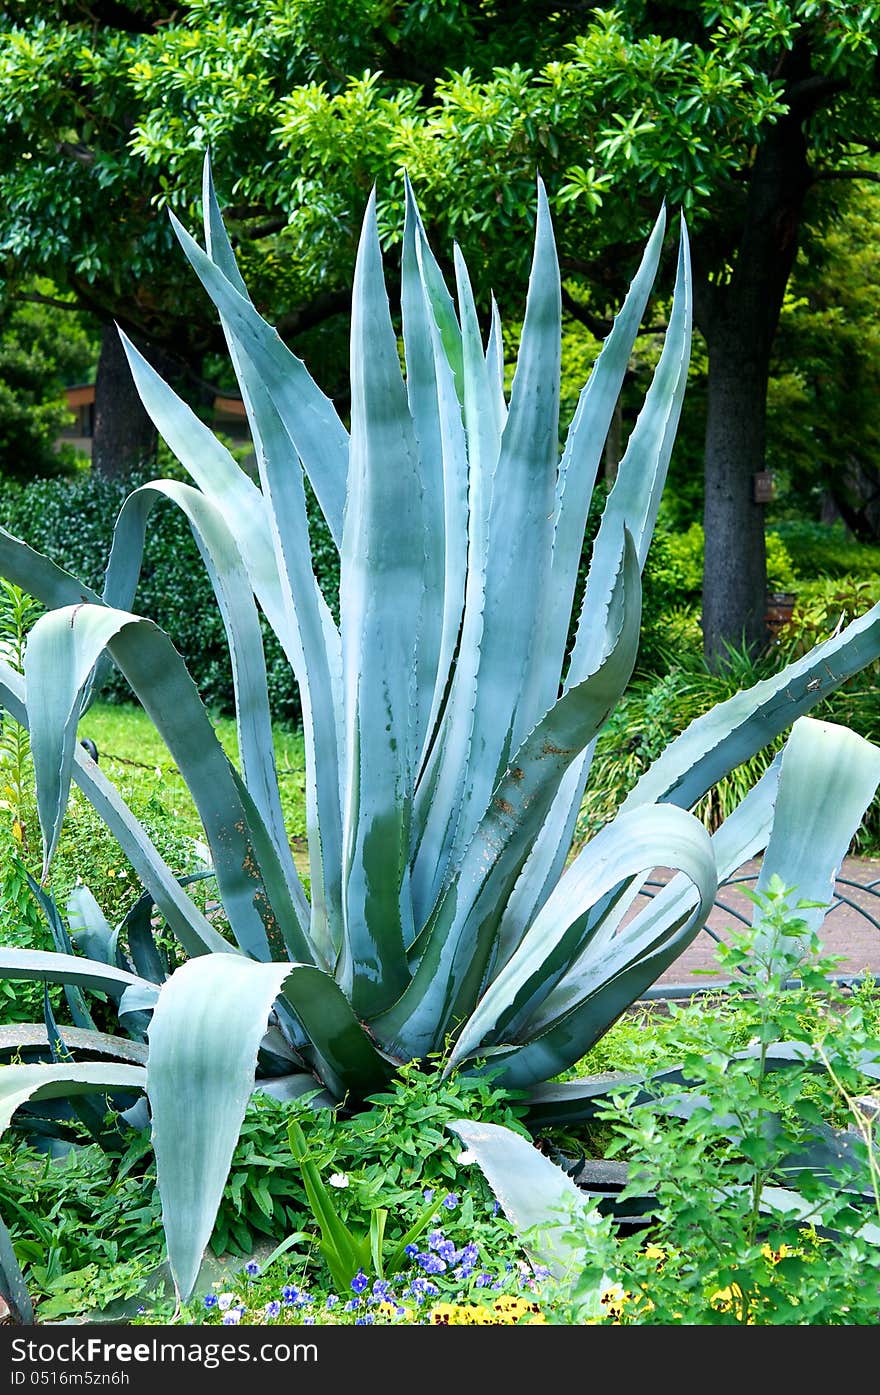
<point>846,931</point>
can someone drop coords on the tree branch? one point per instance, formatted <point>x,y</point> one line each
<point>34,298</point>
<point>873,175</point>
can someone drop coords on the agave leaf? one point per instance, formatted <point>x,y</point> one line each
<point>79,1011</point>
<point>443,475</point>
<point>90,929</point>
<point>552,942</point>
<point>309,417</point>
<point>204,1037</point>
<point>29,1040</point>
<point>304,625</point>
<point>218,476</point>
<point>448,980</point>
<point>232,589</point>
<point>497,403</point>
<point>536,1196</point>
<point>137,927</point>
<point>347,1057</point>
<point>585,441</point>
<point>829,776</point>
<point>734,730</point>
<point>61,652</point>
<point>809,838</point>
<point>439,794</point>
<point>23,1084</point>
<point>507,703</point>
<point>48,967</point>
<point>195,933</point>
<point>13,1289</point>
<point>453,482</point>
<point>382,598</point>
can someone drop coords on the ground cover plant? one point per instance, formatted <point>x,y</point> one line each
<point>445,754</point>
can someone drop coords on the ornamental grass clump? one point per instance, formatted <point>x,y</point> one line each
<point>448,735</point>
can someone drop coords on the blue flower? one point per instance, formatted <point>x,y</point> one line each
<point>308,1322</point>
<point>252,1268</point>
<point>210,1300</point>
<point>450,1201</point>
<point>417,1289</point>
<point>432,1290</point>
<point>436,1238</point>
<point>447,1251</point>
<point>272,1309</point>
<point>495,1208</point>
<point>289,1293</point>
<point>428,1194</point>
<point>359,1282</point>
<point>483,1280</point>
<point>332,1300</point>
<point>381,1292</point>
<point>364,1321</point>
<point>432,1264</point>
<point>463,1272</point>
<point>351,1305</point>
<point>469,1255</point>
<point>303,1300</point>
<point>541,1271</point>
<point>411,1250</point>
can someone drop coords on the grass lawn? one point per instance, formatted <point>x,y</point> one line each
<point>133,754</point>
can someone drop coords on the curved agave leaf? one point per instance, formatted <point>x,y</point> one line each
<point>537,1197</point>
<point>232,588</point>
<point>382,599</point>
<point>13,1289</point>
<point>553,941</point>
<point>22,1084</point>
<point>457,944</point>
<point>829,776</point>
<point>204,1038</point>
<point>29,1040</point>
<point>309,417</point>
<point>194,932</point>
<point>79,1012</point>
<point>45,966</point>
<point>61,652</point>
<point>733,731</point>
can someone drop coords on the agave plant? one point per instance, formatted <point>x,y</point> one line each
<point>448,733</point>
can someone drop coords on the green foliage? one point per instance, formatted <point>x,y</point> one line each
<point>820,550</point>
<point>752,1221</point>
<point>86,1230</point>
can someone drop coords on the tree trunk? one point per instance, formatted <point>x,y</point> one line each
<point>124,436</point>
<point>735,565</point>
<point>738,316</point>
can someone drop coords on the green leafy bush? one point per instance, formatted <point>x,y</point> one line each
<point>820,549</point>
<point>754,1166</point>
